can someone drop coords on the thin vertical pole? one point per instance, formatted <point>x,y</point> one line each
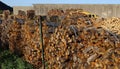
<point>41,37</point>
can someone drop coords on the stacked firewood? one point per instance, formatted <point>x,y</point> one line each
<point>32,52</point>
<point>55,12</point>
<point>75,17</point>
<point>55,15</point>
<point>30,14</point>
<point>21,14</point>
<point>16,38</point>
<point>73,42</point>
<point>84,48</point>
<point>80,45</point>
<point>6,14</point>
<point>24,39</point>
<point>112,24</point>
<point>32,48</point>
<point>1,16</point>
<point>4,29</point>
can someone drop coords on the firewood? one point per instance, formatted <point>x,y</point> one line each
<point>6,14</point>
<point>30,14</point>
<point>75,42</point>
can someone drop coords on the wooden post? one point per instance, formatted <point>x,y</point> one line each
<point>41,37</point>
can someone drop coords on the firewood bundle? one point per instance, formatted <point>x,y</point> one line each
<point>6,14</point>
<point>32,49</point>
<point>75,13</point>
<point>21,14</point>
<point>30,14</point>
<point>31,46</point>
<point>16,38</point>
<point>112,24</point>
<point>55,12</point>
<point>55,15</point>
<point>75,17</point>
<point>4,36</point>
<point>1,16</point>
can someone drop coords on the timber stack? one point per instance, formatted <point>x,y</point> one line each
<point>72,39</point>
<point>81,43</point>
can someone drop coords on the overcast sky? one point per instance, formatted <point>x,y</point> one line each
<point>30,2</point>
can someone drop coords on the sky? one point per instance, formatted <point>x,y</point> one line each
<point>30,2</point>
